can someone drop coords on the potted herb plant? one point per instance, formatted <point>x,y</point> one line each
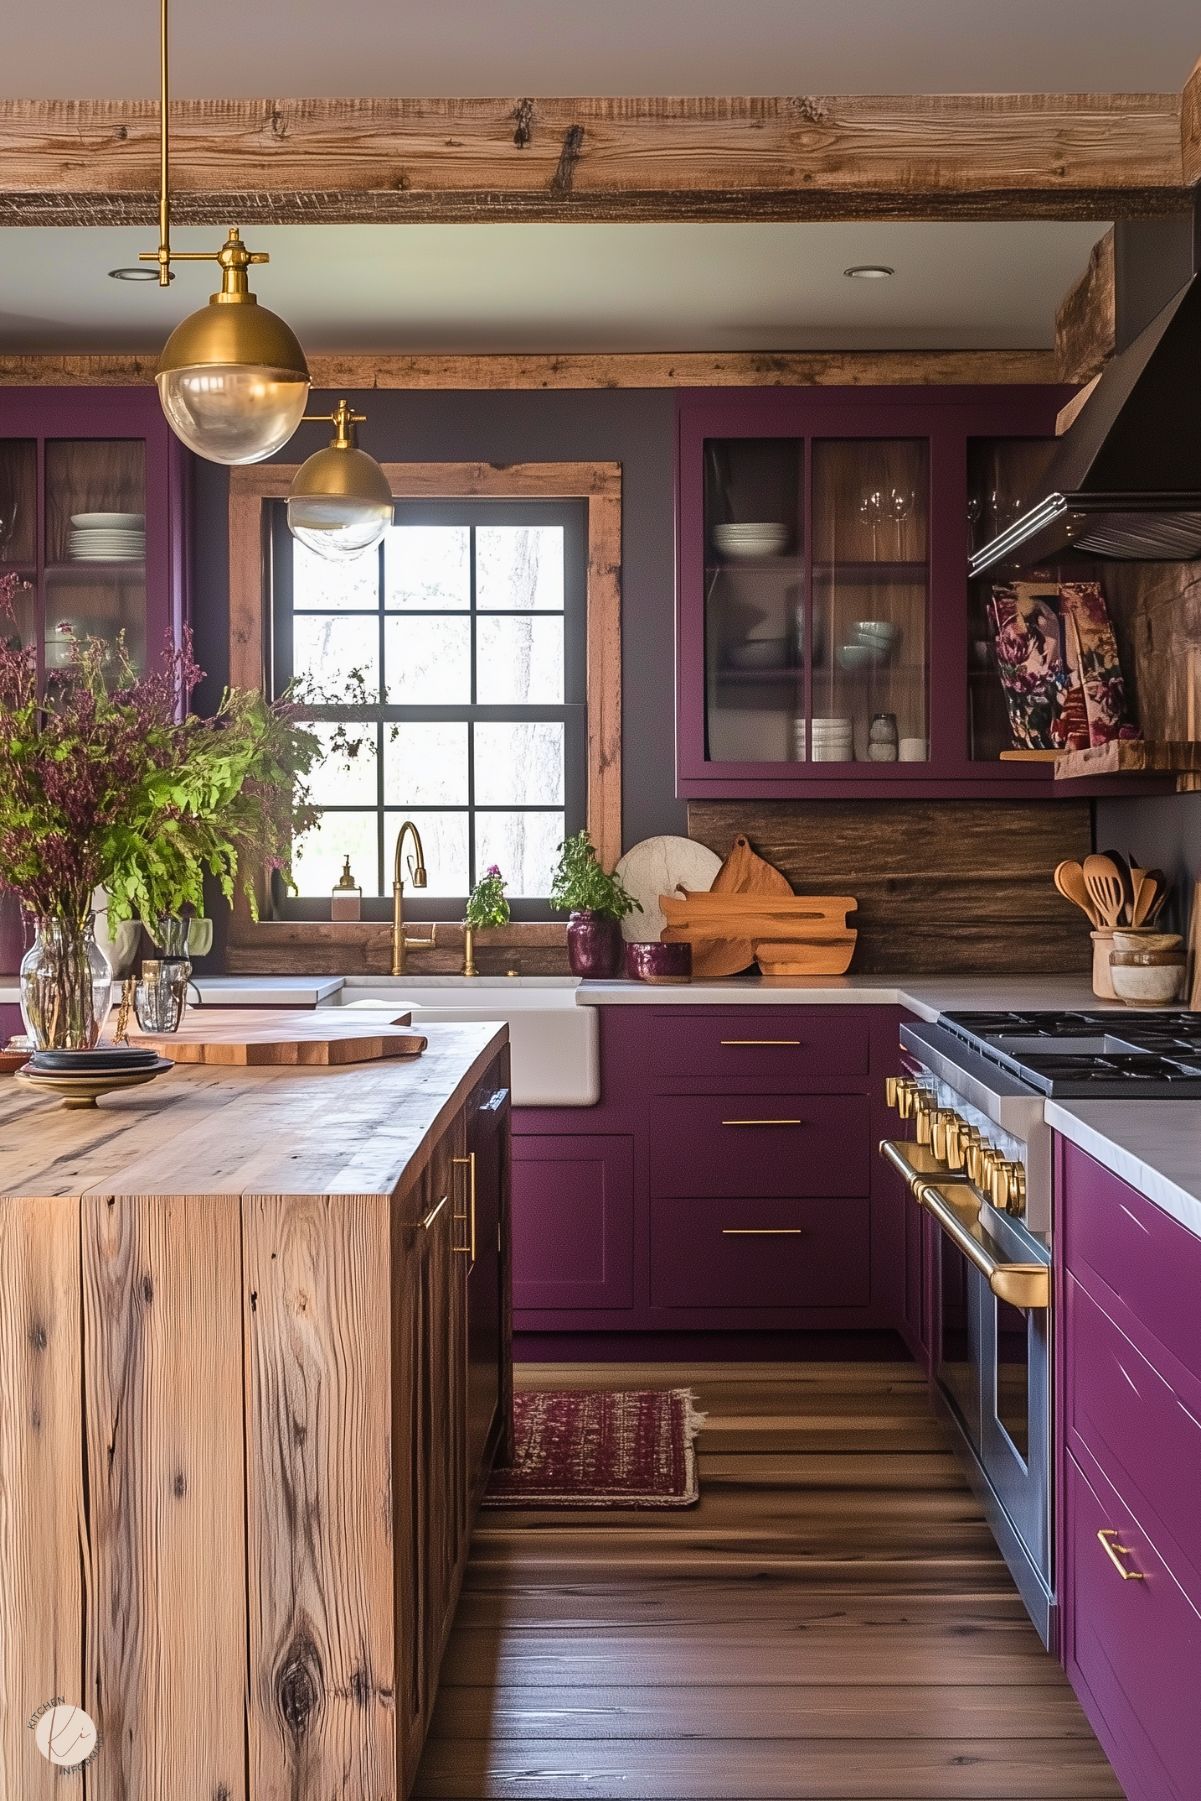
<point>597,904</point>
<point>487,906</point>
<point>108,781</point>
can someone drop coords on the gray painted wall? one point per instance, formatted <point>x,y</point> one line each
<point>634,427</point>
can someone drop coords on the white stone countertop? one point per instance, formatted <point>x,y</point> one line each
<point>927,996</point>
<point>1155,1146</point>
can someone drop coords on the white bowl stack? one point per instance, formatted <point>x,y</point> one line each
<point>107,538</point>
<point>833,740</point>
<point>757,538</point>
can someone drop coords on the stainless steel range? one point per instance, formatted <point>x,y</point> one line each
<point>972,1090</point>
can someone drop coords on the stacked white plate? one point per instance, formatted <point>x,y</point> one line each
<point>833,740</point>
<point>756,538</point>
<point>107,538</point>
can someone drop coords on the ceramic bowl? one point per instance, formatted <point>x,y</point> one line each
<point>1140,940</point>
<point>880,631</point>
<point>860,656</point>
<point>659,963</point>
<point>1147,984</point>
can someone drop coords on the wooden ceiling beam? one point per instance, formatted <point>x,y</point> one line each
<point>1086,321</point>
<point>358,370</point>
<point>975,156</point>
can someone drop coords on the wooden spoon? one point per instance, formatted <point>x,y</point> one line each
<point>1105,888</point>
<point>1069,879</point>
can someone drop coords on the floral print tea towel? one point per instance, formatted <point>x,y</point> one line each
<point>1058,662</point>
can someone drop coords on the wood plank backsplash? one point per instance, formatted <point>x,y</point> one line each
<point>942,885</point>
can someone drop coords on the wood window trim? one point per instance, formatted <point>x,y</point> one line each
<point>269,944</point>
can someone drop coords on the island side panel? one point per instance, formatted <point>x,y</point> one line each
<point>41,1482</point>
<point>165,1541</point>
<point>322,1701</point>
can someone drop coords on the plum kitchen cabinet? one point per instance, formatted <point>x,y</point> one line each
<point>1130,1524</point>
<point>852,606</point>
<point>725,1181</point>
<point>65,453</point>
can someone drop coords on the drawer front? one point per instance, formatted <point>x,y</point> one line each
<point>1136,1428</point>
<point>1135,1646</point>
<point>759,1253</point>
<point>777,1042</point>
<point>1146,1259</point>
<point>573,1221</point>
<point>777,1144</point>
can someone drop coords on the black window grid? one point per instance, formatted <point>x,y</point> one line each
<point>571,516</point>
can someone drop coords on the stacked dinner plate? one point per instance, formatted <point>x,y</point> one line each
<point>107,538</point>
<point>761,538</point>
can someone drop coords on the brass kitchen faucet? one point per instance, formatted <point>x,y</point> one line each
<point>400,943</point>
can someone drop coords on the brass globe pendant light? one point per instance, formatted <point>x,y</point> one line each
<point>340,502</point>
<point>232,379</point>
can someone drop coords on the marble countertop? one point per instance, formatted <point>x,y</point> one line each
<point>926,996</point>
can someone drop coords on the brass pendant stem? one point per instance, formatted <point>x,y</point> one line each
<point>164,193</point>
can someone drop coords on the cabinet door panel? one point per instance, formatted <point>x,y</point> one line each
<point>755,1253</point>
<point>573,1221</point>
<point>1134,1647</point>
<point>486,1143</point>
<point>767,1042</point>
<point>774,1144</point>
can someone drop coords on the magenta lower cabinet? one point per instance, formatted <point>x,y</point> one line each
<point>748,1254</point>
<point>573,1222</point>
<point>1129,1302</point>
<point>1132,1644</point>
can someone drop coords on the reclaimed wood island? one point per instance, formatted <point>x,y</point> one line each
<point>254,1370</point>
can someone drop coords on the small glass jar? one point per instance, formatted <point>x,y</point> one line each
<point>66,985</point>
<point>882,738</point>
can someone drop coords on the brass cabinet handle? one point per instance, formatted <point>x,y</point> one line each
<point>469,1161</point>
<point>762,1122</point>
<point>956,1208</point>
<point>762,1232</point>
<point>1115,1552</point>
<point>794,1043</point>
<point>433,1213</point>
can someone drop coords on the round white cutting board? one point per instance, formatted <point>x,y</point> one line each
<point>658,866</point>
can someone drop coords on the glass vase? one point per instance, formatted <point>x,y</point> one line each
<point>66,986</point>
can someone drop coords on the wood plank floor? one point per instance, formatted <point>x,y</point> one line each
<point>831,1622</point>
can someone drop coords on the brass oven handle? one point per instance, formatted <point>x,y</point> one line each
<point>794,1042</point>
<point>762,1232</point>
<point>762,1122</point>
<point>469,1161</point>
<point>433,1213</point>
<point>914,1163</point>
<point>1025,1285</point>
<point>1115,1552</point>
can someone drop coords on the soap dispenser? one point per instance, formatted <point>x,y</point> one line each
<point>346,902</point>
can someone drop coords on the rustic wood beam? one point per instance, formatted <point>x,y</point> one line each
<point>1190,127</point>
<point>359,369</point>
<point>314,161</point>
<point>1086,322</point>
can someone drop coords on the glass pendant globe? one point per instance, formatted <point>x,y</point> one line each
<point>236,413</point>
<point>338,527</point>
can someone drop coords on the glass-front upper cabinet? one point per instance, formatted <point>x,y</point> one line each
<point>827,643</point>
<point>92,520</point>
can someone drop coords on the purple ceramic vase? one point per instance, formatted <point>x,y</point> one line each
<point>594,945</point>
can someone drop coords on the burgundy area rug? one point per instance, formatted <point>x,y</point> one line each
<point>592,1448</point>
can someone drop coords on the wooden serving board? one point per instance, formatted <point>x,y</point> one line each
<point>743,872</point>
<point>325,1037</point>
<point>754,916</point>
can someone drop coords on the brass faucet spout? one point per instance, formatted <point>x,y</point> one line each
<point>401,944</point>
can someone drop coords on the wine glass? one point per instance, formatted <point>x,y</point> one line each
<point>873,511</point>
<point>901,502</point>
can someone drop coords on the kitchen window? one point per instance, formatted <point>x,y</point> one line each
<point>461,648</point>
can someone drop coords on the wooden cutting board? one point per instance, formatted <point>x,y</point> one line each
<point>743,872</point>
<point>252,1039</point>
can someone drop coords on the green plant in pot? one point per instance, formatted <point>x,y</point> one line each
<point>107,780</point>
<point>487,908</point>
<point>597,904</point>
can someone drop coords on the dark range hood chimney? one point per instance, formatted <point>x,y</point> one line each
<point>1125,480</point>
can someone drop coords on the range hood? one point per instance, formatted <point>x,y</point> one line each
<point>1125,480</point>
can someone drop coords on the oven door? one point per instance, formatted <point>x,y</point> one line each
<point>993,1370</point>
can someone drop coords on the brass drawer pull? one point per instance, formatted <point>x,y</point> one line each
<point>469,1162</point>
<point>1115,1553</point>
<point>794,1043</point>
<point>762,1232</point>
<point>433,1213</point>
<point>762,1122</point>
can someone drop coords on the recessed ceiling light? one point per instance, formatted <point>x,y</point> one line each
<point>869,271</point>
<point>135,274</point>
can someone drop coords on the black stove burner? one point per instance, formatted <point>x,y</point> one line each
<point>1104,1055</point>
<point>1039,1025</point>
